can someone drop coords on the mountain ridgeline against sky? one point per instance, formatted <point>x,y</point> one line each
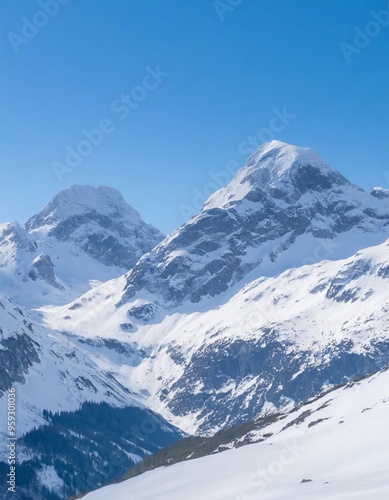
<point>83,234</point>
<point>99,222</point>
<point>272,216</point>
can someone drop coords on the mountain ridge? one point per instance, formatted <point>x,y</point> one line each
<point>276,340</point>
<point>272,167</point>
<point>78,200</point>
<point>84,234</point>
<point>254,225</point>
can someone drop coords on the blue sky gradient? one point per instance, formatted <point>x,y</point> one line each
<point>227,71</point>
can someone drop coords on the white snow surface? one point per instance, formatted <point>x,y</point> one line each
<point>295,303</point>
<point>339,451</point>
<point>48,476</point>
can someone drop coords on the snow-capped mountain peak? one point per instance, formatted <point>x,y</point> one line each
<point>83,236</point>
<point>78,201</point>
<point>280,211</point>
<point>243,309</point>
<point>281,170</point>
<point>284,157</point>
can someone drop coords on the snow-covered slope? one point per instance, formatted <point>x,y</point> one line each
<point>65,397</point>
<point>336,447</point>
<point>51,371</point>
<point>276,340</point>
<point>83,236</point>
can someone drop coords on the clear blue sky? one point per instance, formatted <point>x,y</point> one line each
<point>226,76</point>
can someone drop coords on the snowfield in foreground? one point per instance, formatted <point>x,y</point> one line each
<point>336,447</point>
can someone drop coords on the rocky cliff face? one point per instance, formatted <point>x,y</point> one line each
<point>18,349</point>
<point>99,222</point>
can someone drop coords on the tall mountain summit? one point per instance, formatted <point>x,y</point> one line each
<point>83,234</point>
<point>285,207</point>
